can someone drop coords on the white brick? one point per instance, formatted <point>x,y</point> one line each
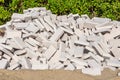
<point>49,52</point>
<point>32,28</point>
<point>19,42</point>
<point>56,36</point>
<point>13,67</point>
<point>39,24</point>
<point>36,65</point>
<point>3,64</point>
<point>25,63</point>
<point>6,46</point>
<point>13,33</point>
<point>20,52</point>
<point>70,67</point>
<point>48,20</point>
<point>68,30</point>
<point>47,27</point>
<point>78,61</point>
<point>113,62</point>
<point>91,71</point>
<point>82,43</point>
<point>20,25</point>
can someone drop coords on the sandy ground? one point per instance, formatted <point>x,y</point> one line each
<point>55,75</point>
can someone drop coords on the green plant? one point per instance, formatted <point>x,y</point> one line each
<point>100,8</point>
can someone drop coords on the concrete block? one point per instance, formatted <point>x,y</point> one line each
<point>25,63</point>
<point>39,24</point>
<point>78,51</point>
<point>19,42</point>
<point>7,52</point>
<point>78,61</point>
<point>70,67</point>
<point>25,17</point>
<point>48,20</point>
<point>113,62</point>
<point>7,57</point>
<point>81,43</point>
<point>14,66</point>
<point>91,71</point>
<point>20,52</point>
<point>13,33</point>
<point>36,65</point>
<point>6,46</point>
<point>67,30</point>
<point>32,28</point>
<point>3,64</point>
<point>46,26</point>
<point>20,25</point>
<point>50,52</point>
<point>56,36</point>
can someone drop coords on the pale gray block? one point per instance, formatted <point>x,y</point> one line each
<point>48,20</point>
<point>115,51</point>
<point>3,64</point>
<point>13,66</point>
<point>20,25</point>
<point>91,71</point>
<point>47,27</point>
<point>68,30</point>
<point>34,41</point>
<point>19,42</point>
<point>6,46</point>
<point>49,52</point>
<point>101,20</point>
<point>93,64</point>
<point>64,37</point>
<point>97,58</point>
<point>13,44</point>
<point>86,56</point>
<point>78,51</point>
<point>3,40</point>
<point>78,61</point>
<point>79,42</point>
<point>114,32</point>
<point>40,66</point>
<point>31,53</point>
<point>113,62</point>
<point>25,17</point>
<point>17,16</point>
<point>89,48</point>
<point>101,52</point>
<point>32,28</point>
<point>35,14</point>
<point>13,33</point>
<point>39,24</point>
<point>55,57</point>
<point>29,35</point>
<point>20,52</point>
<point>30,42</point>
<point>7,57</point>
<point>70,67</point>
<point>36,65</point>
<point>60,66</point>
<point>7,52</point>
<point>25,63</point>
<point>77,66</point>
<point>56,36</point>
<point>89,24</point>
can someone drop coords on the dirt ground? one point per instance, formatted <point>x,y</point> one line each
<point>55,75</point>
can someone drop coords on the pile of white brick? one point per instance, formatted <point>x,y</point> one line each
<point>41,40</point>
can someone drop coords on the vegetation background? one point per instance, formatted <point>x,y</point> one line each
<point>100,8</point>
